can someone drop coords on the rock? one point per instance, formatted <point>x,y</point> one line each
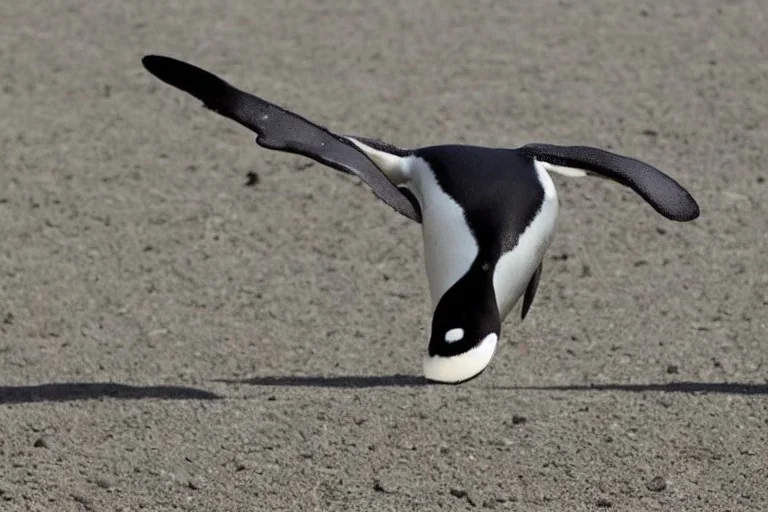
<point>6,494</point>
<point>195,483</point>
<point>379,486</point>
<point>656,484</point>
<point>41,442</point>
<point>672,369</point>
<point>252,179</point>
<point>104,483</point>
<point>85,501</point>
<point>458,492</point>
<point>518,420</point>
<point>604,503</point>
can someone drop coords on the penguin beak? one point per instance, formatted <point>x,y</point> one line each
<point>461,367</point>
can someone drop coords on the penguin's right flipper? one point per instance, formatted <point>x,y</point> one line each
<point>281,130</point>
<point>662,192</point>
<point>530,291</point>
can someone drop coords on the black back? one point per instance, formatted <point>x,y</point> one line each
<point>498,189</point>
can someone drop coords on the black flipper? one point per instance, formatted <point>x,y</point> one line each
<point>280,129</point>
<point>666,195</point>
<point>530,292</point>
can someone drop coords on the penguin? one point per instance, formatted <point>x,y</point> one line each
<point>487,214</point>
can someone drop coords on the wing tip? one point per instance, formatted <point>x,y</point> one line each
<point>201,84</point>
<point>685,209</point>
<point>159,65</point>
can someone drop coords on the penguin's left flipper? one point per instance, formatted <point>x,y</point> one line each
<point>662,192</point>
<point>281,130</point>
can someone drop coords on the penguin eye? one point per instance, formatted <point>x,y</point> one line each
<point>454,335</point>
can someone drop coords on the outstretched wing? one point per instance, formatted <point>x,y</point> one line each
<point>279,129</point>
<point>666,195</point>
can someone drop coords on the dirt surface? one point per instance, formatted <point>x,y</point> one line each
<point>172,339</point>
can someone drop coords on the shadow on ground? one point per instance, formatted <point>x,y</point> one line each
<point>69,391</point>
<point>351,381</point>
<point>374,381</point>
<point>735,388</point>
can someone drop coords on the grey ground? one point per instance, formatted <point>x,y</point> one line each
<point>174,340</point>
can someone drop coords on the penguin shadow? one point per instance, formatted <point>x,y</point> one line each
<point>689,387</point>
<point>74,391</point>
<point>399,380</point>
<point>346,381</point>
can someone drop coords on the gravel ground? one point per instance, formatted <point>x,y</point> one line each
<point>173,339</point>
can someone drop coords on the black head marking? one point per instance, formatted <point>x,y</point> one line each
<point>466,314</point>
<point>279,129</point>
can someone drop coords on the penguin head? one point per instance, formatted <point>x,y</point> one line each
<point>465,328</point>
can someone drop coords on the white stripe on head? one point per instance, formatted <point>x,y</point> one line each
<point>454,335</point>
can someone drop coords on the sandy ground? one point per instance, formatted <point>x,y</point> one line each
<point>171,339</point>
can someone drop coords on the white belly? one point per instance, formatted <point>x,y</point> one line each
<point>449,247</point>
<point>514,269</point>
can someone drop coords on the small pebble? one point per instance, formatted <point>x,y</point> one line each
<point>461,493</point>
<point>378,486</point>
<point>85,501</point>
<point>41,442</point>
<point>195,483</point>
<point>104,483</point>
<point>657,484</point>
<point>5,492</point>
<point>604,503</point>
<point>251,179</point>
<point>518,420</point>
<point>672,369</point>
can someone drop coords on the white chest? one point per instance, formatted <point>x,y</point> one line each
<point>450,248</point>
<point>514,269</point>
